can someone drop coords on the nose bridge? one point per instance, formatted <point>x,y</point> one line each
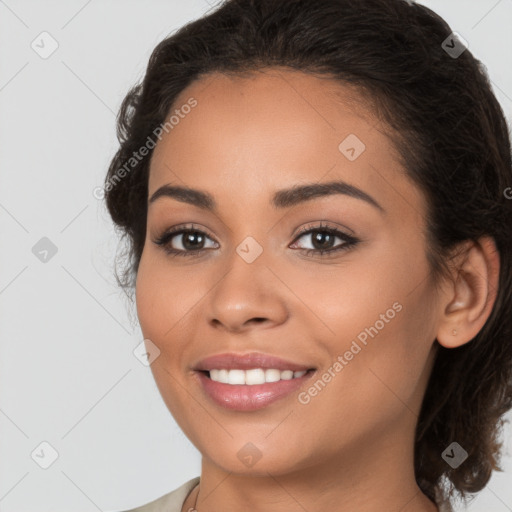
<point>247,289</point>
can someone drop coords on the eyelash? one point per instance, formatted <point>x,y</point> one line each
<point>165,239</point>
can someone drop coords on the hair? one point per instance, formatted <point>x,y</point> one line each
<point>450,133</point>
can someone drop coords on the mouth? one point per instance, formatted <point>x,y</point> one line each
<point>252,394</point>
<point>249,382</point>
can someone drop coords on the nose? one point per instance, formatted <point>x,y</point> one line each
<point>246,296</point>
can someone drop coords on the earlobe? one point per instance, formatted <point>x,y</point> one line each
<point>472,294</point>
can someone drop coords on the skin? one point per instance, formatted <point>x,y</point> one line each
<point>351,446</point>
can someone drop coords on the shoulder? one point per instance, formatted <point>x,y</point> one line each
<point>171,502</point>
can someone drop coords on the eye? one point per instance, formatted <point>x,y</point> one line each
<point>323,238</point>
<point>190,241</point>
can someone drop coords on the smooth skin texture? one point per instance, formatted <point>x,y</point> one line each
<point>350,447</point>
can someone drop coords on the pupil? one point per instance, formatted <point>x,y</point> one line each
<point>189,237</point>
<point>322,239</point>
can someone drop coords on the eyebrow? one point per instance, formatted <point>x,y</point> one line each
<point>281,199</point>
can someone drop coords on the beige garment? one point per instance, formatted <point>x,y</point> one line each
<point>173,501</point>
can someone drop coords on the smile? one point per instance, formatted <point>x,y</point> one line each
<point>245,390</point>
<point>253,376</point>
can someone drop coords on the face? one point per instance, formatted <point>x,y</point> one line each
<point>334,280</point>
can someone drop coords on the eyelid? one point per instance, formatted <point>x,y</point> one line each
<point>318,225</point>
<point>168,234</point>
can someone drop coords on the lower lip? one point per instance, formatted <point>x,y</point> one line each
<point>243,397</point>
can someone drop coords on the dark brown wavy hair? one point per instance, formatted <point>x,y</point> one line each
<point>450,132</point>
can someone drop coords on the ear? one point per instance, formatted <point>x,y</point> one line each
<point>469,298</point>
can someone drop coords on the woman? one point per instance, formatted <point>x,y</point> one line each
<point>315,200</point>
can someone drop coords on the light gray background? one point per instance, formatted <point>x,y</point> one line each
<point>67,372</point>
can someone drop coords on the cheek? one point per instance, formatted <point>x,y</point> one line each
<point>395,354</point>
<point>375,374</point>
<point>168,305</point>
<point>159,312</point>
<point>156,304</point>
<point>379,319</point>
<point>144,296</point>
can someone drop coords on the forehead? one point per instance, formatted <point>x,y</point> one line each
<point>267,130</point>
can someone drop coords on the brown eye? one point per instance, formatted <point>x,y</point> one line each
<point>182,241</point>
<point>323,239</point>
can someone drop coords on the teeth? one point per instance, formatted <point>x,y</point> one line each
<point>236,377</point>
<point>253,376</point>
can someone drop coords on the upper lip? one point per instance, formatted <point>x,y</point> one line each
<point>247,361</point>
